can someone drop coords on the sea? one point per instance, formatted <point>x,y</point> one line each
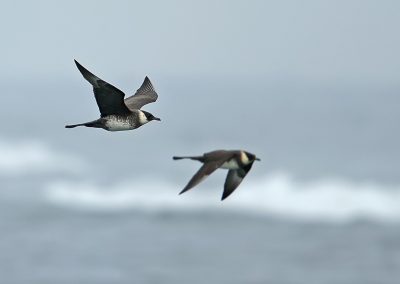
<point>88,206</point>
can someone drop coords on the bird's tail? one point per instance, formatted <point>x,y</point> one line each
<point>74,125</point>
<point>95,123</point>
<point>196,158</point>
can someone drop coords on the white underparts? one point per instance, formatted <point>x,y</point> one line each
<point>118,123</point>
<point>230,165</point>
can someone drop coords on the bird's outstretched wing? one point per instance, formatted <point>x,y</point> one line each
<point>110,99</point>
<point>206,170</point>
<point>233,179</point>
<point>143,96</point>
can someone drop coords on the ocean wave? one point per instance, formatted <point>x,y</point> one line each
<point>274,195</point>
<point>34,157</point>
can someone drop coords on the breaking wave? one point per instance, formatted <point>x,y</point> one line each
<point>276,194</point>
<point>33,157</point>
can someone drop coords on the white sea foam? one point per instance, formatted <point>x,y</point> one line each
<point>276,194</point>
<point>33,157</point>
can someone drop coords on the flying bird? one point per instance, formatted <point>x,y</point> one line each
<point>238,162</point>
<point>117,113</point>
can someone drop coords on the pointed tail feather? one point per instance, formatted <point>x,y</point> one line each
<point>74,125</point>
<point>179,158</point>
<point>95,123</point>
<point>197,158</point>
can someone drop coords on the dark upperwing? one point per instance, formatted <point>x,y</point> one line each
<point>110,99</point>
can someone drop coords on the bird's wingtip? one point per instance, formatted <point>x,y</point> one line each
<point>225,195</point>
<point>184,190</point>
<point>147,80</point>
<point>80,67</point>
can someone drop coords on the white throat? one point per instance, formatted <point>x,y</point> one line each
<point>142,117</point>
<point>243,157</point>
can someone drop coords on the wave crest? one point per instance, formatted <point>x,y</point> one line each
<point>33,157</point>
<point>276,194</point>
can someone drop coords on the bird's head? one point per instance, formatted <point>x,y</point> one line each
<point>149,117</point>
<point>251,157</point>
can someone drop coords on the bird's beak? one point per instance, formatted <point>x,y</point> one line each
<point>258,159</point>
<point>156,118</point>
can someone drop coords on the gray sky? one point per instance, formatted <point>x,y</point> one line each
<point>313,84</point>
<point>309,40</point>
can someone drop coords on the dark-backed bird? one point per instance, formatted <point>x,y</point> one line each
<point>238,162</point>
<point>117,113</point>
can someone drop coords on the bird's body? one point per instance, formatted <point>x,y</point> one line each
<point>121,123</point>
<point>238,162</point>
<point>118,114</point>
<point>129,122</point>
<point>115,122</point>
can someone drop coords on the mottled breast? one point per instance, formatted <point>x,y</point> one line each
<point>120,123</point>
